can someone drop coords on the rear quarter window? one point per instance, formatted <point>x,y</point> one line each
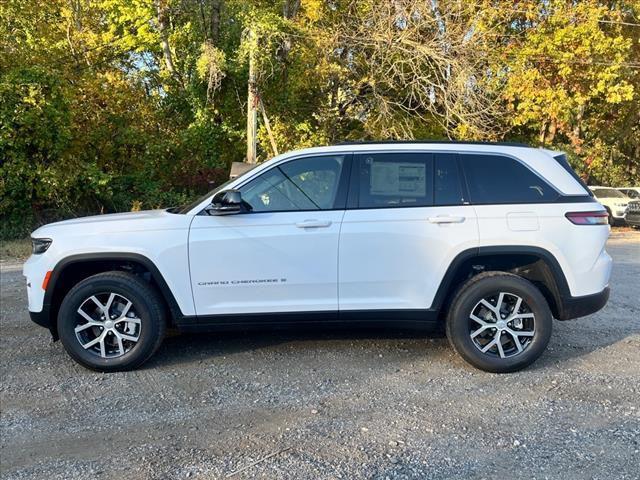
<point>497,179</point>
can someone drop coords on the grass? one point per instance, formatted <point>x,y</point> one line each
<point>15,250</point>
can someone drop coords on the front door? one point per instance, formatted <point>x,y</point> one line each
<point>282,256</point>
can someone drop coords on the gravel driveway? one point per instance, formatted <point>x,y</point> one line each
<point>328,404</point>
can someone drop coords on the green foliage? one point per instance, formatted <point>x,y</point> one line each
<point>35,132</point>
<point>116,105</point>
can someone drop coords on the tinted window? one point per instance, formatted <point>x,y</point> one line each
<point>498,179</point>
<point>608,193</point>
<point>304,184</point>
<point>395,180</point>
<point>631,193</point>
<point>447,185</point>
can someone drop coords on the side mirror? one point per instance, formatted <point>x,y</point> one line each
<point>227,202</point>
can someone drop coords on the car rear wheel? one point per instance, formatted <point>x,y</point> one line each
<point>111,321</point>
<point>499,322</point>
<point>612,221</point>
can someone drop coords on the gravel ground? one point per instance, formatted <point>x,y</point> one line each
<point>328,404</point>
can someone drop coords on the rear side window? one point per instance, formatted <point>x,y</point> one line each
<point>500,179</point>
<point>395,180</point>
<point>447,182</point>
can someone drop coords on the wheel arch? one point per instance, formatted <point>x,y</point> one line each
<point>532,263</point>
<point>75,268</point>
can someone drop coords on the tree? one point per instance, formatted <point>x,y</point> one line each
<point>110,105</point>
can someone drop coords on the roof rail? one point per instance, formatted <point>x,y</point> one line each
<point>464,142</point>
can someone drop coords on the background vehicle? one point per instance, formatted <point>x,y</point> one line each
<point>614,201</point>
<point>631,192</point>
<point>492,240</point>
<point>632,215</point>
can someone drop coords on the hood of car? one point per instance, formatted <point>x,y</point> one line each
<point>113,222</point>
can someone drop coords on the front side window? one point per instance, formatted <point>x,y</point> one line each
<point>304,184</point>
<point>502,180</point>
<point>395,180</point>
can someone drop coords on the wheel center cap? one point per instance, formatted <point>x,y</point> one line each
<point>501,324</point>
<point>109,324</point>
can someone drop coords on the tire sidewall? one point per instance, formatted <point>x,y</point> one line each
<point>611,219</point>
<point>458,322</point>
<point>143,306</point>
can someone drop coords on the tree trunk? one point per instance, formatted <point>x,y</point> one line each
<point>290,8</point>
<point>577,128</point>
<point>214,26</point>
<point>252,105</point>
<point>553,129</point>
<point>163,28</point>
<point>542,133</point>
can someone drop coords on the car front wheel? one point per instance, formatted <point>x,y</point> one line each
<point>499,322</point>
<point>111,321</point>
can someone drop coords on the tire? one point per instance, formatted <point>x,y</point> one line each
<point>612,221</point>
<point>124,341</point>
<point>530,324</point>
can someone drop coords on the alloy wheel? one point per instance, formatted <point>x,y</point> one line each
<point>107,325</point>
<point>502,325</point>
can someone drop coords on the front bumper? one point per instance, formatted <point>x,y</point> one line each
<point>43,319</point>
<point>633,218</point>
<point>575,307</point>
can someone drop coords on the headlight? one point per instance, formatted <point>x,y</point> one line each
<point>40,245</point>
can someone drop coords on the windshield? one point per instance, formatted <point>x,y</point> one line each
<point>608,193</point>
<point>186,208</point>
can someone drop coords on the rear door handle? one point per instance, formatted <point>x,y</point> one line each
<point>314,224</point>
<point>446,219</point>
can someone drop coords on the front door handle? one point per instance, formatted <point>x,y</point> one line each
<point>446,219</point>
<point>313,224</point>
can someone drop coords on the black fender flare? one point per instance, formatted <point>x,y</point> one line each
<point>49,313</point>
<point>559,288</point>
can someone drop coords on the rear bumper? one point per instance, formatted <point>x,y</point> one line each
<point>575,307</point>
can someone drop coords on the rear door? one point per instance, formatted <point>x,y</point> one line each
<point>407,218</point>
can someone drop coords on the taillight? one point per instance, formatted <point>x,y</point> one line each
<point>601,217</point>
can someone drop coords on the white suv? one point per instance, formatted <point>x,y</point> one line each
<point>491,240</point>
<point>614,201</point>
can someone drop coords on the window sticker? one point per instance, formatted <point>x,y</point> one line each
<point>398,179</point>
